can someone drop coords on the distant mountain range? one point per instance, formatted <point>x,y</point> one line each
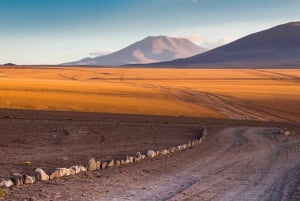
<point>275,47</point>
<point>149,50</point>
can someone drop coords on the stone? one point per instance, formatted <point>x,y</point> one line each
<point>172,149</point>
<point>98,165</point>
<point>17,179</point>
<point>82,169</point>
<point>8,183</point>
<point>111,163</point>
<point>59,172</point>
<point>92,165</point>
<point>164,152</point>
<point>287,133</point>
<point>118,163</point>
<point>131,159</point>
<point>123,162</point>
<point>104,165</point>
<point>76,168</point>
<point>70,171</point>
<point>184,146</point>
<point>151,153</point>
<point>28,179</point>
<point>41,175</point>
<point>143,156</point>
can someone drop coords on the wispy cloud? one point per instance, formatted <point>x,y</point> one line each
<point>205,42</point>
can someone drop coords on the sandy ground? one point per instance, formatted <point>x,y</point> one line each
<point>240,160</point>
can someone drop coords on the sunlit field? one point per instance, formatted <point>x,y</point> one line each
<point>235,94</point>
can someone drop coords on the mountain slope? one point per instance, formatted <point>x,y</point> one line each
<point>275,47</point>
<point>149,50</point>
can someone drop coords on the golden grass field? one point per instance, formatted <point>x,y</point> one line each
<point>235,94</point>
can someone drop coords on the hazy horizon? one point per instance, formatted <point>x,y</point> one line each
<point>57,31</point>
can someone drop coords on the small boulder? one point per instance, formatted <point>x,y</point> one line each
<point>98,165</point>
<point>59,172</point>
<point>82,168</point>
<point>92,165</point>
<point>118,163</point>
<point>123,162</point>
<point>103,165</point>
<point>287,133</point>
<point>8,183</point>
<point>164,152</point>
<point>130,159</point>
<point>17,179</point>
<point>76,169</point>
<point>28,179</point>
<point>143,156</point>
<point>111,163</point>
<point>70,171</point>
<point>151,153</point>
<point>41,175</point>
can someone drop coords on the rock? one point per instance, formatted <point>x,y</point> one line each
<point>118,163</point>
<point>123,162</point>
<point>138,154</point>
<point>111,163</point>
<point>179,147</point>
<point>41,175</point>
<point>98,165</point>
<point>184,146</point>
<point>1,183</point>
<point>130,159</point>
<point>104,165</point>
<point>92,165</point>
<point>151,153</point>
<point>76,168</point>
<point>143,156</point>
<point>17,179</point>
<point>8,183</point>
<point>164,152</point>
<point>70,171</point>
<point>287,133</point>
<point>82,169</point>
<point>172,149</point>
<point>28,179</point>
<point>136,159</point>
<point>157,153</point>
<point>59,172</point>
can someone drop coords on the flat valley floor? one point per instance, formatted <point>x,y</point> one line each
<point>58,117</point>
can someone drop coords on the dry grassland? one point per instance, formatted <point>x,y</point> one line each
<point>235,94</point>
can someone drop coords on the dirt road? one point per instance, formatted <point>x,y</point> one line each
<point>241,163</point>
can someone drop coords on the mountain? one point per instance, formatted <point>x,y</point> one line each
<point>272,48</point>
<point>149,50</point>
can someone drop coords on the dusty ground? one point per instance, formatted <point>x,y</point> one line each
<point>240,160</point>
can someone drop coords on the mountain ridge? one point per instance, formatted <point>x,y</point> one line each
<point>148,50</point>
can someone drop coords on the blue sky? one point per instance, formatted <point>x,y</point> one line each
<point>56,31</point>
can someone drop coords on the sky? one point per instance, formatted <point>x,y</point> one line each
<point>58,31</point>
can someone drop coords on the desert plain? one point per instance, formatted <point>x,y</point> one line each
<point>61,116</point>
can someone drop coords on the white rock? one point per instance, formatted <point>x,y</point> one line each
<point>76,168</point>
<point>92,165</point>
<point>164,152</point>
<point>151,153</point>
<point>59,172</point>
<point>111,163</point>
<point>29,179</point>
<point>287,133</point>
<point>118,162</point>
<point>98,165</point>
<point>82,169</point>
<point>143,156</point>
<point>103,165</point>
<point>8,183</point>
<point>41,174</point>
<point>70,171</point>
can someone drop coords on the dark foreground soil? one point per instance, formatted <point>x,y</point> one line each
<point>240,160</point>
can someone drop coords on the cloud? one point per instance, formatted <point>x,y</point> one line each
<point>205,42</point>
<point>99,53</point>
<point>218,43</point>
